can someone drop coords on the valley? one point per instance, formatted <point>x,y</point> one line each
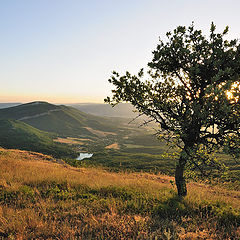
<point>68,174</point>
<point>117,144</point>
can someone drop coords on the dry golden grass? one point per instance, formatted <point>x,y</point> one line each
<point>67,141</point>
<point>23,167</point>
<point>42,199</point>
<point>99,133</point>
<point>81,139</point>
<point>113,146</point>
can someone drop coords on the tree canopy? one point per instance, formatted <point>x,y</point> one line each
<point>192,90</point>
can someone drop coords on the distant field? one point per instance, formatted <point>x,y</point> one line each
<point>113,146</point>
<point>70,141</point>
<point>100,133</point>
<point>141,151</point>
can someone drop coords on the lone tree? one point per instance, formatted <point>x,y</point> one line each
<point>193,92</point>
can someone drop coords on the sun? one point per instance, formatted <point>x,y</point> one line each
<point>234,93</point>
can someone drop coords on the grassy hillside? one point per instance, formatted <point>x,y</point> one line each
<point>28,109</point>
<point>40,199</point>
<point>66,121</point>
<point>17,134</point>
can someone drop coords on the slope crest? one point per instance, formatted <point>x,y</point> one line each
<point>66,121</point>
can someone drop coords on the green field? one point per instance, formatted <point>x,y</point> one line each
<point>141,151</point>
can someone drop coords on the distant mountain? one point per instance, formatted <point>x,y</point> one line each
<point>17,134</point>
<point>123,110</point>
<point>6,105</point>
<point>64,120</point>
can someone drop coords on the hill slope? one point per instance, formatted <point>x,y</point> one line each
<point>61,119</point>
<point>123,110</point>
<point>6,105</point>
<point>41,199</point>
<point>17,134</point>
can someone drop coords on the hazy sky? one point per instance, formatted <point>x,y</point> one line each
<point>65,50</point>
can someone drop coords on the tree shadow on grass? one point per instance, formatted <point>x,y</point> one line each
<point>218,217</point>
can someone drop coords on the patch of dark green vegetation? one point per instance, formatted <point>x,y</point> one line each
<point>118,161</point>
<point>17,134</point>
<point>139,151</point>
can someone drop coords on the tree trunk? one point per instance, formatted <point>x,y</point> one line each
<point>179,177</point>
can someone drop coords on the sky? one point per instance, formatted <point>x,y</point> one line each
<point>63,51</point>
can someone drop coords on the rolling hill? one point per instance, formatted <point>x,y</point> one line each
<point>17,134</point>
<point>63,120</point>
<point>6,105</point>
<point>123,110</point>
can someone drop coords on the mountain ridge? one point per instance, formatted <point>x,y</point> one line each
<point>60,119</point>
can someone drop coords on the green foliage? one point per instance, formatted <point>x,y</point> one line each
<point>192,92</point>
<point>126,161</point>
<point>20,197</point>
<point>205,165</point>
